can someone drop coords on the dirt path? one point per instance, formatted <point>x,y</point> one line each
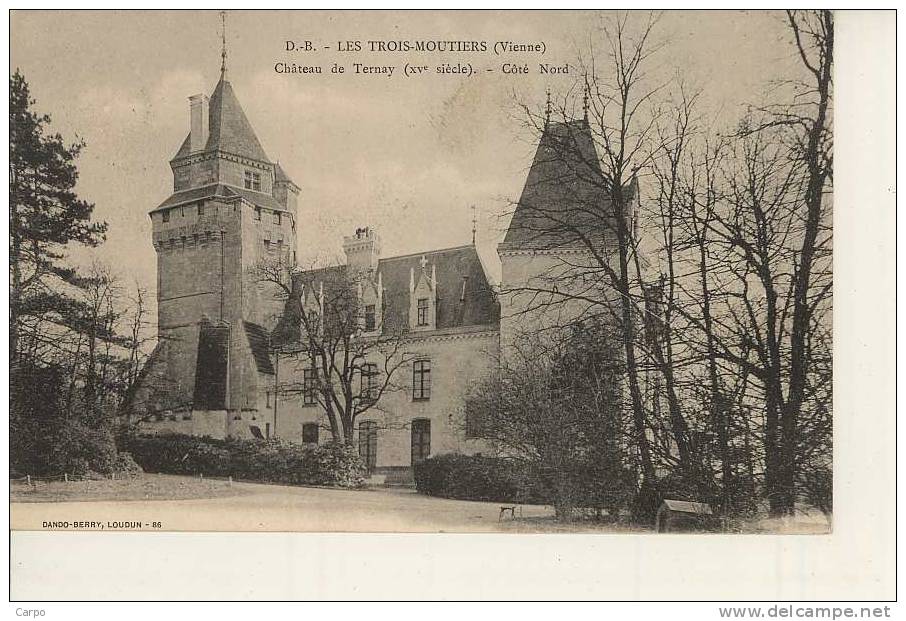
<point>283,508</point>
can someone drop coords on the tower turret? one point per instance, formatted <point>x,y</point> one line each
<point>232,212</point>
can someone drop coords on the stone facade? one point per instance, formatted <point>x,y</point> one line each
<point>231,210</point>
<point>230,347</point>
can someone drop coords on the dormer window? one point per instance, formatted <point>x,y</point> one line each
<point>423,297</point>
<point>252,181</point>
<point>422,312</point>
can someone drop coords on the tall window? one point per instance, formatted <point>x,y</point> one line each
<point>422,312</point>
<point>368,443</point>
<point>369,318</point>
<point>421,380</point>
<point>421,440</point>
<point>252,181</point>
<point>310,433</point>
<point>369,381</point>
<point>309,386</point>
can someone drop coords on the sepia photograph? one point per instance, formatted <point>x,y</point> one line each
<point>315,272</point>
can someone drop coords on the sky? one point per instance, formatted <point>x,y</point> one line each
<point>405,156</point>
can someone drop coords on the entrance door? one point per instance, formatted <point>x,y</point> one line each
<point>421,440</point>
<point>368,443</point>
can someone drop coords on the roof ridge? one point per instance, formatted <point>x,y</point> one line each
<point>418,254</point>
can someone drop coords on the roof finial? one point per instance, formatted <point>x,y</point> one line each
<point>547,108</point>
<point>474,221</point>
<point>223,50</point>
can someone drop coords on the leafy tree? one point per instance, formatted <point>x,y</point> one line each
<point>45,216</point>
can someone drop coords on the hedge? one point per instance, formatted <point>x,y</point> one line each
<point>273,461</point>
<point>475,477</point>
<point>498,479</point>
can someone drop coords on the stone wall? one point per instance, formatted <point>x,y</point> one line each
<point>458,360</point>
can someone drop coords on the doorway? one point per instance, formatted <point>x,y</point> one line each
<point>421,440</point>
<point>368,444</point>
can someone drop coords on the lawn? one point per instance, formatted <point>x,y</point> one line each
<point>146,487</point>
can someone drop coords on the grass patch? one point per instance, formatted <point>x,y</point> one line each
<point>146,487</point>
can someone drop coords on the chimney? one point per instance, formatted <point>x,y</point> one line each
<point>363,250</point>
<point>198,123</point>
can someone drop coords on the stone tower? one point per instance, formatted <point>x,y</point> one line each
<point>562,214</point>
<point>232,212</point>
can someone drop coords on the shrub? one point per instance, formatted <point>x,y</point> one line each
<point>78,449</point>
<point>126,466</point>
<point>338,465</point>
<point>273,461</point>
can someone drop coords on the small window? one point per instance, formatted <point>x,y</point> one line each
<point>252,181</point>
<point>166,215</point>
<point>310,433</point>
<point>277,218</point>
<point>421,380</point>
<point>309,387</point>
<point>422,312</point>
<point>200,209</point>
<point>257,213</point>
<point>369,318</point>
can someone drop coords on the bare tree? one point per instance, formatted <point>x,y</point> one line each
<point>590,221</point>
<point>725,309</point>
<point>323,333</point>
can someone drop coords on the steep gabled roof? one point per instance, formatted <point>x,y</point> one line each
<point>228,128</point>
<point>465,297</point>
<point>259,343</point>
<point>565,191</point>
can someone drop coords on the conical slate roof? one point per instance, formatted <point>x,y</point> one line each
<point>565,190</point>
<point>280,175</point>
<point>229,129</point>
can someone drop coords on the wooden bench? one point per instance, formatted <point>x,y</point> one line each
<point>512,511</point>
